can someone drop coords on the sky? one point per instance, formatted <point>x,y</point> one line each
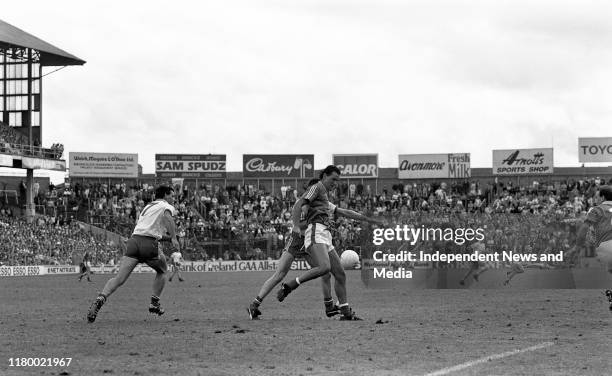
<point>325,77</point>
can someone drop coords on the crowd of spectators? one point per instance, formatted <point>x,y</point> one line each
<point>55,152</point>
<point>211,222</point>
<point>47,241</point>
<point>246,223</point>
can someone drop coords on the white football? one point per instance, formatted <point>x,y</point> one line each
<point>350,260</point>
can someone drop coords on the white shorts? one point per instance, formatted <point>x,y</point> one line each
<point>320,235</point>
<point>604,253</point>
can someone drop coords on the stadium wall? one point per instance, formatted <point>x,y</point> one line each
<point>192,266</point>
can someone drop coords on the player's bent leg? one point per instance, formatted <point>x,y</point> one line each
<point>604,254</point>
<point>284,265</point>
<point>310,260</point>
<point>111,286</point>
<point>319,254</point>
<point>337,270</point>
<point>326,287</point>
<point>161,268</point>
<point>331,309</point>
<point>283,268</point>
<point>127,265</point>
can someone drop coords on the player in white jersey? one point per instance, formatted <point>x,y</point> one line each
<point>177,261</point>
<point>155,224</point>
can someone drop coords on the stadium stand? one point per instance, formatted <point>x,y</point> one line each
<point>217,223</point>
<point>15,143</point>
<point>46,242</point>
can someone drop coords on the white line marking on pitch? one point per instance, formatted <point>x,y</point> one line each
<point>459,367</point>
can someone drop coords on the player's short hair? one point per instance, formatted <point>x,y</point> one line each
<point>328,171</point>
<point>313,182</point>
<point>162,191</point>
<point>605,191</point>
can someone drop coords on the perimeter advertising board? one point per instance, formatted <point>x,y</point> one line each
<point>195,166</point>
<point>594,149</point>
<point>357,165</point>
<point>263,166</point>
<point>434,166</point>
<point>103,165</point>
<point>43,164</point>
<point>523,161</point>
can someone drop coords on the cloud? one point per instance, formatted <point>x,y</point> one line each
<point>325,77</point>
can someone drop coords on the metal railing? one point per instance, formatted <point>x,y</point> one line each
<point>30,151</point>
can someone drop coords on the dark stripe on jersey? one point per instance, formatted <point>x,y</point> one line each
<point>311,192</point>
<point>312,234</point>
<point>149,206</point>
<point>289,242</point>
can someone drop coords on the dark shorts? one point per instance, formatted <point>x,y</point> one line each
<point>295,245</point>
<point>145,249</point>
<point>83,268</point>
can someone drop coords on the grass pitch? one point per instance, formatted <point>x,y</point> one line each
<point>206,330</point>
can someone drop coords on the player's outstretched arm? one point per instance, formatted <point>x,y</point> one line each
<point>351,214</point>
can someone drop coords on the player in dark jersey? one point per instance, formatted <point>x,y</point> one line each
<point>318,239</point>
<point>154,224</point>
<point>600,218</point>
<point>337,270</point>
<point>294,249</point>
